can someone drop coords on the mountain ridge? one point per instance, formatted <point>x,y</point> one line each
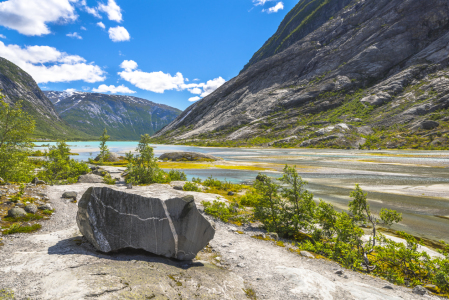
<point>125,117</point>
<point>380,64</point>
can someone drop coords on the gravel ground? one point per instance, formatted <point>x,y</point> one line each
<point>58,263</point>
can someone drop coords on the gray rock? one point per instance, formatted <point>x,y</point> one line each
<point>388,287</point>
<point>420,290</point>
<point>231,193</point>
<point>273,235</point>
<point>35,179</point>
<point>306,254</point>
<point>113,157</point>
<point>426,125</point>
<point>38,182</point>
<point>20,204</point>
<point>178,187</point>
<point>16,213</point>
<point>112,219</point>
<point>188,156</point>
<point>1,180</point>
<point>70,195</point>
<point>100,172</point>
<point>31,208</point>
<point>45,206</point>
<point>365,130</point>
<point>378,99</point>
<point>283,141</point>
<point>315,141</point>
<point>90,178</point>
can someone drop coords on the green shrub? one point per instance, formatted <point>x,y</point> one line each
<point>219,210</point>
<point>108,179</point>
<point>143,168</point>
<point>189,186</point>
<point>176,175</point>
<point>60,168</point>
<point>47,212</point>
<point>27,218</point>
<point>250,198</point>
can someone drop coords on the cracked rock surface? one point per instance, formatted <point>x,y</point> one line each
<point>112,219</point>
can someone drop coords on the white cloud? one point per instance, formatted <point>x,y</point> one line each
<point>196,79</point>
<point>211,86</point>
<point>70,91</point>
<point>118,34</point>
<point>100,24</point>
<point>83,28</point>
<point>196,91</point>
<point>93,11</point>
<point>30,17</point>
<point>47,64</point>
<point>112,10</point>
<point>275,8</point>
<point>260,2</point>
<point>128,65</point>
<point>160,82</point>
<point>193,99</point>
<point>74,35</point>
<point>2,36</point>
<point>113,89</point>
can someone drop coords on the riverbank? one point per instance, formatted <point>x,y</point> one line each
<point>57,262</point>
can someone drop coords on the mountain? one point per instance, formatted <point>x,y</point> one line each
<point>125,117</point>
<point>16,84</point>
<point>337,73</point>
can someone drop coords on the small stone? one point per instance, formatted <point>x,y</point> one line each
<point>339,272</point>
<point>241,265</point>
<point>306,254</point>
<point>178,187</point>
<point>35,179</point>
<point>31,208</point>
<point>231,194</point>
<point>388,287</point>
<point>45,206</point>
<point>224,245</point>
<point>420,290</point>
<point>20,204</point>
<point>129,186</point>
<point>70,195</point>
<point>16,213</point>
<point>258,278</point>
<point>273,235</point>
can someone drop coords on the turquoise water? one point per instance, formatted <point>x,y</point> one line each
<point>334,176</point>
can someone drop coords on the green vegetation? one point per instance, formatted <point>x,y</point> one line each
<point>27,218</point>
<point>290,211</point>
<point>143,167</point>
<point>104,150</point>
<point>18,228</point>
<point>16,127</point>
<point>108,179</point>
<point>60,168</point>
<point>192,187</point>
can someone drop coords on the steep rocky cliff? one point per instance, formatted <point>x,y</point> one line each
<point>125,117</point>
<point>336,74</point>
<point>16,84</point>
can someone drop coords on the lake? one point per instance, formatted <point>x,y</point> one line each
<point>415,183</point>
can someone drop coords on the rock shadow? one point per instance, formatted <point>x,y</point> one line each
<point>80,245</point>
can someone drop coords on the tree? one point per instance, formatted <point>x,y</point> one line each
<point>143,168</point>
<point>301,202</point>
<point>268,207</point>
<point>16,126</point>
<point>104,150</point>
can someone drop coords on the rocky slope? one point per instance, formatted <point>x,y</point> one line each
<point>124,117</point>
<point>16,84</point>
<point>372,73</point>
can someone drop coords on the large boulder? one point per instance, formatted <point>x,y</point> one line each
<point>112,219</point>
<point>112,157</point>
<point>188,156</point>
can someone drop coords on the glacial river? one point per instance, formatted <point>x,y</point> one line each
<point>415,183</point>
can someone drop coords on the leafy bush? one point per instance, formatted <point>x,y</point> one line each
<point>219,210</point>
<point>60,168</point>
<point>143,168</point>
<point>176,175</point>
<point>104,150</point>
<point>189,186</point>
<point>108,179</point>
<point>16,126</point>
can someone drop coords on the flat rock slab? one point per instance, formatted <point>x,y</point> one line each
<point>188,156</point>
<point>112,219</point>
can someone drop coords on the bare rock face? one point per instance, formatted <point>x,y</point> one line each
<point>112,219</point>
<point>188,156</point>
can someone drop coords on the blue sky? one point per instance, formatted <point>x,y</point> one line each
<point>167,51</point>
